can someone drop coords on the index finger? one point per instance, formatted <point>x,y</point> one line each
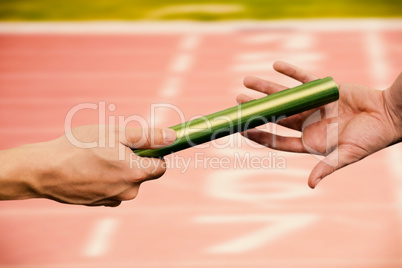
<point>261,85</point>
<point>294,72</point>
<point>147,138</point>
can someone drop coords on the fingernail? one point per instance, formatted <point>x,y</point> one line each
<point>169,135</point>
<point>316,182</point>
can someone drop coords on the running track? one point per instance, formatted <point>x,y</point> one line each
<point>209,214</point>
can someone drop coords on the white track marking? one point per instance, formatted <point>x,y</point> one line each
<point>233,185</point>
<point>190,42</point>
<point>296,47</point>
<point>378,66</point>
<point>262,38</point>
<point>181,63</point>
<point>264,64</point>
<point>276,227</point>
<point>179,66</point>
<point>142,27</point>
<point>100,237</point>
<point>299,41</point>
<point>171,87</point>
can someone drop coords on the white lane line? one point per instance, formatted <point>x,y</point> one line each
<point>378,66</point>
<point>190,42</point>
<point>299,41</point>
<point>171,86</point>
<point>262,38</point>
<point>100,237</point>
<point>185,58</point>
<point>174,27</point>
<point>181,63</point>
<point>274,228</point>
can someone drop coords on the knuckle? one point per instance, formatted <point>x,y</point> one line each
<point>144,137</point>
<point>160,169</point>
<point>152,137</point>
<point>145,169</point>
<point>158,136</point>
<point>135,137</point>
<point>138,175</point>
<point>129,194</point>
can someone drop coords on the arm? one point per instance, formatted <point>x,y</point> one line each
<point>102,175</point>
<point>368,120</point>
<point>393,104</point>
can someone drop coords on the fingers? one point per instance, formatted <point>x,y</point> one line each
<point>339,158</point>
<point>143,138</point>
<point>243,98</point>
<point>126,187</point>
<point>144,168</point>
<point>294,72</point>
<point>277,142</point>
<point>287,69</point>
<point>261,85</point>
<point>130,193</point>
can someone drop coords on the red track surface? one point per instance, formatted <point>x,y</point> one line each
<point>210,214</point>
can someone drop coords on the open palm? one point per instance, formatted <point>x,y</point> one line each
<point>346,131</point>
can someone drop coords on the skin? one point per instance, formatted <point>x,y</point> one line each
<point>368,120</point>
<point>64,172</point>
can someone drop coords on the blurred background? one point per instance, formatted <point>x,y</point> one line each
<point>38,10</point>
<point>193,55</point>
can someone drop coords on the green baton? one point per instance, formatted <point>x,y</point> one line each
<point>249,115</point>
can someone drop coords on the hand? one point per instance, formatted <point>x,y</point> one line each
<point>61,171</point>
<point>368,120</point>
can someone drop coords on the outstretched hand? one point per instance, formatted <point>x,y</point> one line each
<point>363,121</point>
<point>91,165</point>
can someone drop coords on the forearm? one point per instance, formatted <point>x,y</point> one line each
<point>18,173</point>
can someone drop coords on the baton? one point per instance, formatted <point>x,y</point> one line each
<point>248,115</point>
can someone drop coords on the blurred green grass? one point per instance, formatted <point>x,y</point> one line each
<point>52,10</point>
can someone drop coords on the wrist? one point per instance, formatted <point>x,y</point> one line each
<point>20,173</point>
<point>393,105</point>
<point>394,112</point>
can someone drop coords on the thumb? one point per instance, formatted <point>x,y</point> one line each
<point>147,138</point>
<point>337,159</point>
